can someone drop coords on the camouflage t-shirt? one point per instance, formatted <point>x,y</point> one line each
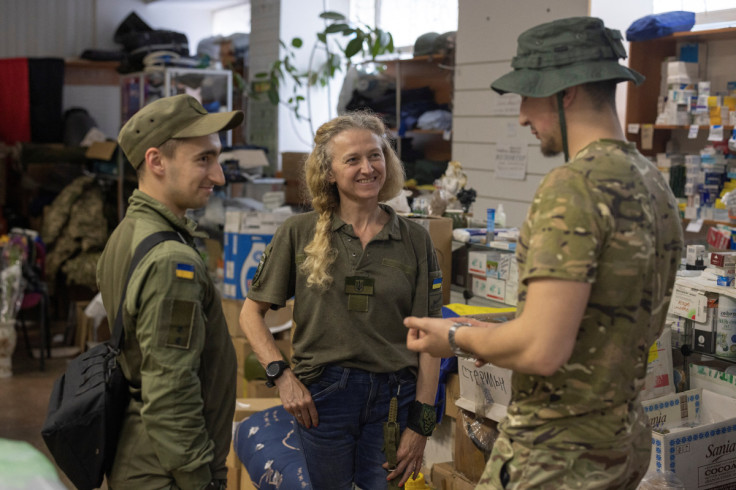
<point>610,219</point>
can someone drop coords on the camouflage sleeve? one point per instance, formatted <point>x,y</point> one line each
<point>567,227</point>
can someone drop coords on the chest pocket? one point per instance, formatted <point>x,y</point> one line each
<point>408,270</point>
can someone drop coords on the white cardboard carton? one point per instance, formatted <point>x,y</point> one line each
<point>484,390</point>
<point>704,456</point>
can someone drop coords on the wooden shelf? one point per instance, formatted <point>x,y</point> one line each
<point>85,72</point>
<point>646,57</point>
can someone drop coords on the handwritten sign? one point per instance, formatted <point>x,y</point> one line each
<point>484,385</point>
<point>505,105</point>
<point>511,160</point>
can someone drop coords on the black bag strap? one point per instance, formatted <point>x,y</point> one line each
<point>116,341</point>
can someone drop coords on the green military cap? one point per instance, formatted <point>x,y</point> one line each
<point>180,116</point>
<point>563,53</point>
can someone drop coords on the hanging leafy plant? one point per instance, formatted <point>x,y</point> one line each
<point>340,41</point>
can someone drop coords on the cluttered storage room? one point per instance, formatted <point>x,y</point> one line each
<point>367,244</point>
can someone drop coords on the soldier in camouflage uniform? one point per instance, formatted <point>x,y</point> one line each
<point>597,259</point>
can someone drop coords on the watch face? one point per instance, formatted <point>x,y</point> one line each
<point>273,369</point>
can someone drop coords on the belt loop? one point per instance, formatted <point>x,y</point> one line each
<point>344,379</point>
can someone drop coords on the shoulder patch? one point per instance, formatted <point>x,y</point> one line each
<point>177,329</point>
<point>184,271</point>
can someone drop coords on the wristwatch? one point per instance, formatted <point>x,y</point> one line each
<point>451,339</point>
<point>274,370</point>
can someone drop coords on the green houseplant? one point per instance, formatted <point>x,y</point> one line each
<point>340,41</point>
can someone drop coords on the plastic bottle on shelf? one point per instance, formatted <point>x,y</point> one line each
<point>490,225</point>
<point>500,216</point>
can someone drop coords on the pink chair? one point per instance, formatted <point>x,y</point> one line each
<point>36,297</point>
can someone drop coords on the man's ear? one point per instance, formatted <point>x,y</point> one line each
<point>568,95</point>
<point>154,161</point>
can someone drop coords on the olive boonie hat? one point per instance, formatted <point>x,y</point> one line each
<point>180,116</point>
<point>564,53</point>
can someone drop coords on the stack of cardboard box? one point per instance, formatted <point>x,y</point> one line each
<point>252,394</point>
<point>466,468</point>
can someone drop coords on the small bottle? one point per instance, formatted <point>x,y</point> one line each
<point>501,216</point>
<point>490,225</point>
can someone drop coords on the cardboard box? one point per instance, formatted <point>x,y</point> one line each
<point>452,393</point>
<point>704,333</point>
<point>484,390</point>
<point>440,230</point>
<point>246,157</point>
<point>459,482</point>
<point>703,456</point>
<point>477,262</point>
<point>233,469</point>
<point>243,252</point>
<point>722,259</point>
<point>257,389</point>
<point>495,289</point>
<point>231,310</point>
<point>469,460</point>
<point>245,483</point>
<point>485,262</point>
<point>441,476</point>
<point>292,170</point>
<point>276,320</point>
<point>242,351</point>
<point>245,407</point>
<point>711,379</point>
<point>247,233</point>
<point>479,286</point>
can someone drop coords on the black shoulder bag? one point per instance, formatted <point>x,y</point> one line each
<point>89,400</point>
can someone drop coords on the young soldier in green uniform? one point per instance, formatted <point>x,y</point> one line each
<point>177,354</point>
<point>355,270</point>
<point>597,257</point>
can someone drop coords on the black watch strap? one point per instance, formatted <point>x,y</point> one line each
<point>422,418</point>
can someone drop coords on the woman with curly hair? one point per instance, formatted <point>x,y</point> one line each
<point>355,270</point>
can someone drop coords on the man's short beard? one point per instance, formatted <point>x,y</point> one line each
<point>551,147</point>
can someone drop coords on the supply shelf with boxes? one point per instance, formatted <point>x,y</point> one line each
<point>684,114</point>
<point>692,372</point>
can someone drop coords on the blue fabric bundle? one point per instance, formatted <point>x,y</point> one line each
<point>269,447</point>
<point>660,25</point>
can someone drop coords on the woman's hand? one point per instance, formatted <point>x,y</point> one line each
<point>409,456</point>
<point>297,400</point>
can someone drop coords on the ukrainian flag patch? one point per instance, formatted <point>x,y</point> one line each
<point>437,283</point>
<point>185,271</point>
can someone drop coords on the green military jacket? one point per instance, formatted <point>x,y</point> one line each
<point>610,219</point>
<point>177,356</point>
<point>358,321</point>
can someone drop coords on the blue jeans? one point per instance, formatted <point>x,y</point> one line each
<point>347,445</point>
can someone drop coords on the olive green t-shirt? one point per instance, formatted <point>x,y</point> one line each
<point>607,218</point>
<point>358,321</point>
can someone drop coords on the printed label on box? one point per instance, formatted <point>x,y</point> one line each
<point>495,289</point>
<point>689,303</point>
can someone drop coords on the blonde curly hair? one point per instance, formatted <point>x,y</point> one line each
<point>324,195</point>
